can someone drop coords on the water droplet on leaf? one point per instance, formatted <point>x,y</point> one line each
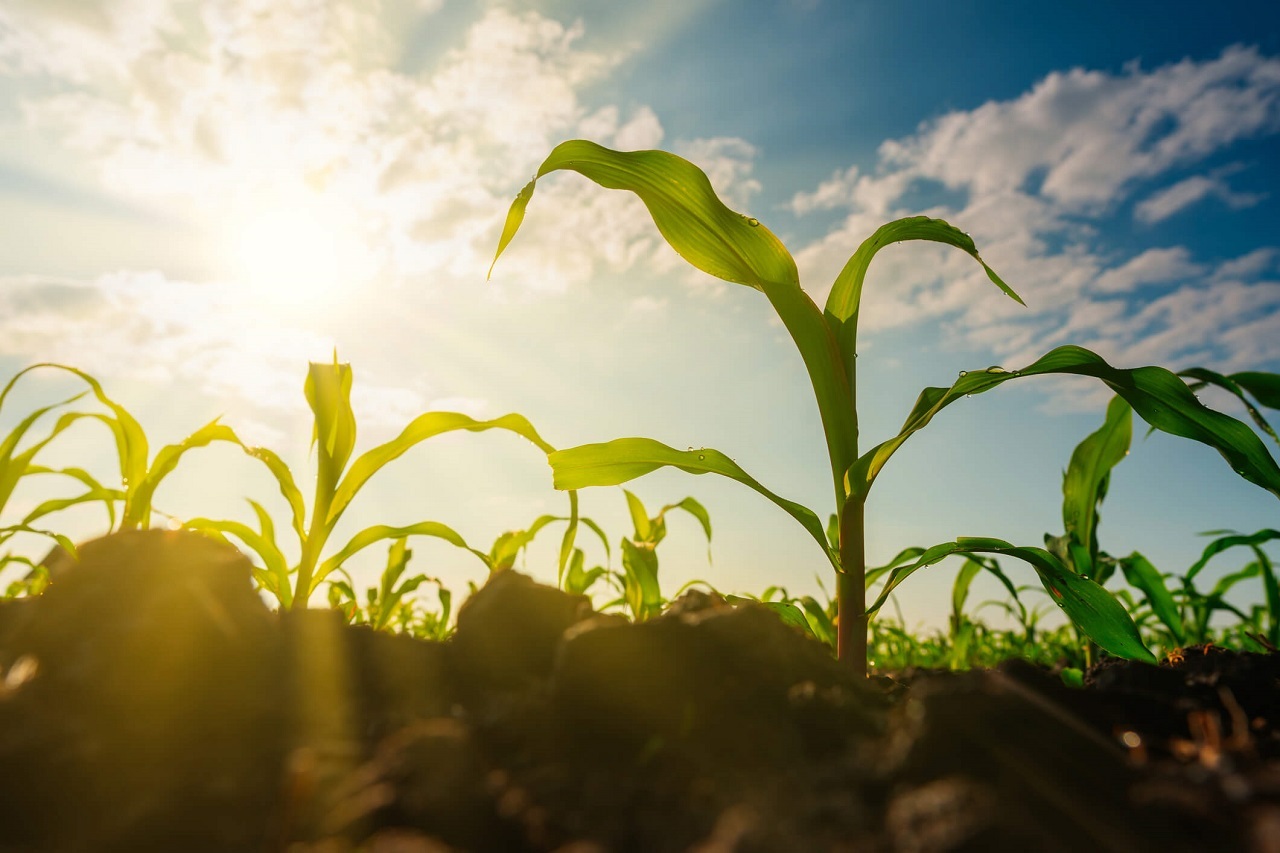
<point>964,373</point>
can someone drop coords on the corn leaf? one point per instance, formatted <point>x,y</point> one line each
<point>1267,383</point>
<point>1265,387</point>
<point>639,517</point>
<point>621,460</point>
<point>722,243</point>
<point>328,392</point>
<point>165,462</point>
<point>1221,544</point>
<point>420,429</point>
<point>1085,482</point>
<point>698,511</point>
<point>640,573</point>
<point>844,301</point>
<point>1094,610</point>
<point>1157,395</point>
<point>1143,576</point>
<point>131,441</point>
<point>380,533</point>
<point>275,576</point>
<point>13,465</point>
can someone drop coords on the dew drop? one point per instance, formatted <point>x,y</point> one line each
<point>753,222</point>
<point>995,368</point>
<point>700,456</point>
<point>964,373</point>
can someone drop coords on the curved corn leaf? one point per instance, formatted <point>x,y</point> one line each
<point>138,510</point>
<point>7,533</point>
<point>1268,383</point>
<point>420,429</point>
<point>1094,610</point>
<point>131,441</point>
<point>1143,576</point>
<point>288,486</point>
<point>380,533</point>
<point>1157,395</point>
<point>1217,546</point>
<point>616,462</point>
<point>906,555</point>
<point>698,511</point>
<point>844,301</point>
<point>722,243</point>
<point>13,465</point>
<point>639,517</point>
<point>1085,483</point>
<point>1265,387</point>
<point>275,576</point>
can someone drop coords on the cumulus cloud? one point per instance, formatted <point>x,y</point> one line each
<point>1038,178</point>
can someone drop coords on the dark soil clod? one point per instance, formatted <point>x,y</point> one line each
<point>150,701</point>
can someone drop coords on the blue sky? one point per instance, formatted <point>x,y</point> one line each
<point>201,196</point>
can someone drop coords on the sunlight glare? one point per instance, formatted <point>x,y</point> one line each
<point>298,257</point>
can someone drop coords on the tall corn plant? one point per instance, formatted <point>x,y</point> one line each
<point>736,248</point>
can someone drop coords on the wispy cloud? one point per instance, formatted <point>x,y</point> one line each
<point>1172,200</point>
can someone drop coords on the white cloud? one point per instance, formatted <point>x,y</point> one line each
<point>225,107</point>
<point>1154,266</point>
<point>1176,198</point>
<point>1037,177</point>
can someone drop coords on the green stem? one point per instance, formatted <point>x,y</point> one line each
<point>851,589</point>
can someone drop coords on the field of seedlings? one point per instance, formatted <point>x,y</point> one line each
<point>207,684</point>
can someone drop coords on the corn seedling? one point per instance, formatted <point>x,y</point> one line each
<point>641,592</point>
<point>390,605</point>
<point>328,393</point>
<point>739,249</point>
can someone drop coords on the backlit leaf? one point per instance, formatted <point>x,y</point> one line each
<point>621,460</point>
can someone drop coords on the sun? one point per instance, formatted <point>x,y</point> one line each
<point>297,257</point>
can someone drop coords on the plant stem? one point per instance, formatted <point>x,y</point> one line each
<point>851,589</point>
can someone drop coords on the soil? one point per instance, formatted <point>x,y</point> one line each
<point>149,700</point>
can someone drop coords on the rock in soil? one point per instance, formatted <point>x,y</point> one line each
<point>150,701</point>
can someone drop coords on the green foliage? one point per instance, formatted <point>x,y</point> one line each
<point>737,248</point>
<point>328,393</point>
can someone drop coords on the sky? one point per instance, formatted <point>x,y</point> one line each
<point>200,197</point>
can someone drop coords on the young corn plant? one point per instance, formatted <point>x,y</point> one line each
<point>140,474</point>
<point>390,606</point>
<point>641,592</point>
<point>739,249</point>
<point>338,479</point>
